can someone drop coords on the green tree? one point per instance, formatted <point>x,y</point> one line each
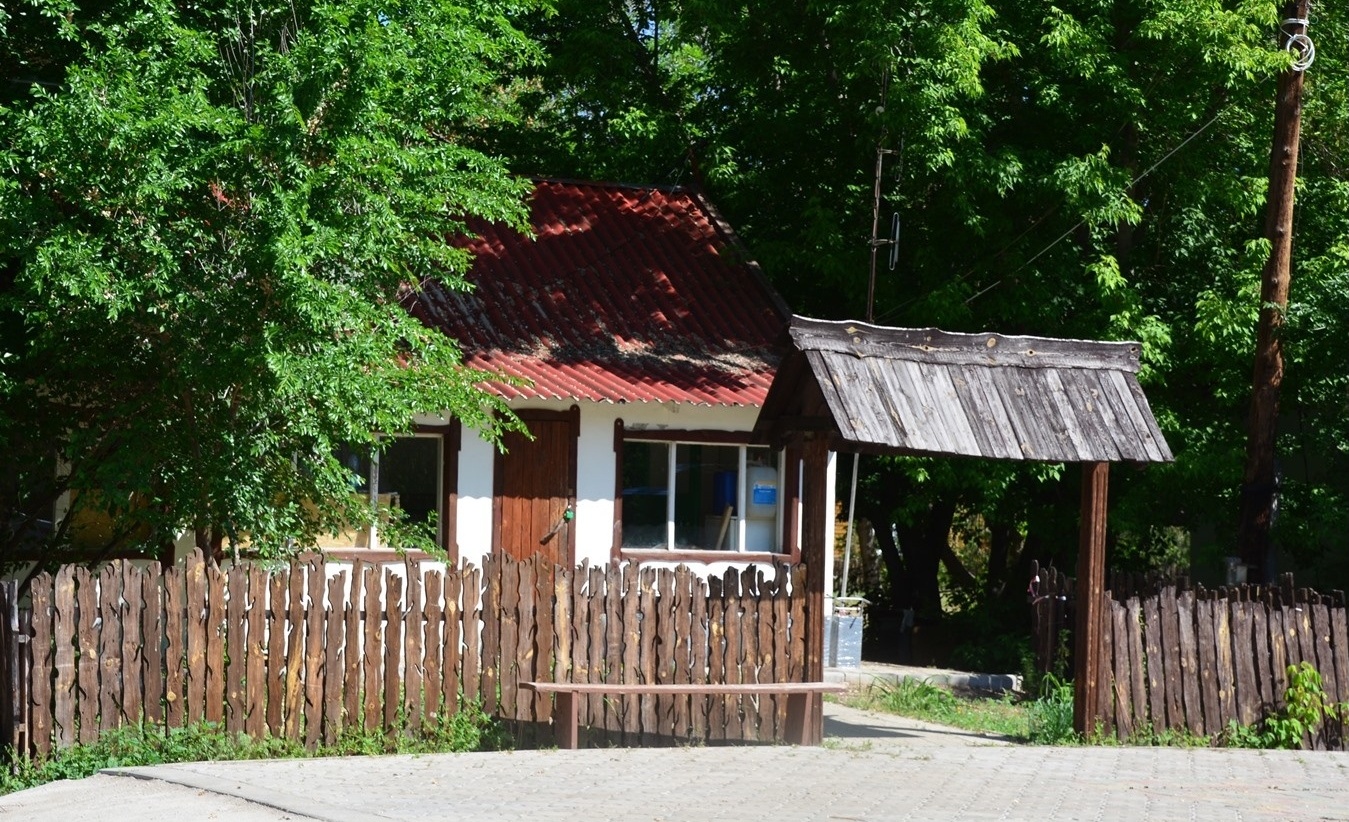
<point>212,216</point>
<point>1088,169</point>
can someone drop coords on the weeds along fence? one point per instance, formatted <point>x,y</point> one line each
<point>307,653</point>
<point>1182,658</point>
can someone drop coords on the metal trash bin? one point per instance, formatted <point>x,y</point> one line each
<point>844,633</point>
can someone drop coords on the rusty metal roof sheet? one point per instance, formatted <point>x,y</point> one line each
<point>624,294</point>
<point>924,391</point>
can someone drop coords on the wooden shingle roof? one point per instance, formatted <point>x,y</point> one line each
<point>924,391</point>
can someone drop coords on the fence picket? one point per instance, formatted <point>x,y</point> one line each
<point>314,636</point>
<point>174,643</point>
<point>109,647</point>
<point>255,664</point>
<point>393,645</point>
<point>63,633</point>
<point>334,658</point>
<point>194,702</point>
<point>414,669</point>
<point>87,669</point>
<point>433,628</point>
<point>236,626</point>
<point>213,680</point>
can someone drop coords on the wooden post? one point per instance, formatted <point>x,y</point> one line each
<point>1090,591</point>
<point>813,547</point>
<point>1259,486</point>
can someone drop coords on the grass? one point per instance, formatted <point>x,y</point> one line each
<point>137,745</point>
<point>917,699</point>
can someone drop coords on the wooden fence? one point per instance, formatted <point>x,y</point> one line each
<point>304,654</point>
<point>1181,658</point>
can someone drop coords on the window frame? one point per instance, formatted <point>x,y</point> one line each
<point>789,498</point>
<point>447,498</point>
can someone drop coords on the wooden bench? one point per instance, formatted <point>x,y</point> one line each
<point>797,693</point>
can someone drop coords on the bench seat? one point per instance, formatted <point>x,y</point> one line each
<point>798,700</point>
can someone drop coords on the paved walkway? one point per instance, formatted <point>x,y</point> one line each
<point>873,767</point>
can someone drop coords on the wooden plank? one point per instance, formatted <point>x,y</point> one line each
<point>612,657</point>
<point>1339,640</point>
<point>666,651</point>
<point>631,650</point>
<point>1156,663</point>
<point>152,643</point>
<point>491,631</point>
<point>372,652</point>
<point>583,623</point>
<point>44,663</point>
<point>716,655</point>
<point>255,666</point>
<point>522,656</point>
<point>1207,649</point>
<point>293,706</point>
<point>194,701</point>
<point>765,584</point>
<point>474,629</point>
<point>1247,696</point>
<point>314,636</point>
<point>736,634</point>
<point>1325,651</point>
<point>393,648</point>
<point>548,659</point>
<point>507,689</point>
<point>132,612</point>
<point>700,639</point>
<point>236,639</point>
<point>1138,704</point>
<point>1104,722</point>
<point>1278,657</point>
<point>648,713</point>
<point>681,655</point>
<point>334,658</point>
<point>414,670</point>
<point>781,643</point>
<point>353,648</point>
<point>1261,658</point>
<point>1090,602</point>
<point>109,647</point>
<point>433,633</point>
<point>174,636</point>
<point>1191,703</point>
<point>1225,673</point>
<point>63,634</point>
<point>460,631</point>
<point>87,624</point>
<point>213,701</point>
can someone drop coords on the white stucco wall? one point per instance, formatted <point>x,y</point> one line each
<point>595,472</point>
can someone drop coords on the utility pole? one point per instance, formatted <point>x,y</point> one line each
<point>1259,487</point>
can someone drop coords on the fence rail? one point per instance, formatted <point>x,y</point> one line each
<point>305,654</point>
<point>1193,659</point>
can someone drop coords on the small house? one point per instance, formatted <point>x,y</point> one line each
<point>638,342</point>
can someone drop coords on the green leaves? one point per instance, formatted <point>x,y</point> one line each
<point>210,225</point>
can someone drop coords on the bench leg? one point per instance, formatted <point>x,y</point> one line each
<point>564,720</point>
<point>798,720</point>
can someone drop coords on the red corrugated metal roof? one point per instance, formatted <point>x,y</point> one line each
<point>625,294</point>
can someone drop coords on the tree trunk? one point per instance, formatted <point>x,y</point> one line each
<point>1259,487</point>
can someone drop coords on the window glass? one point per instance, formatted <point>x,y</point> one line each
<point>707,490</point>
<point>645,490</point>
<point>409,476</point>
<point>705,495</point>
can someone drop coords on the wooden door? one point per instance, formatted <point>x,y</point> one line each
<point>535,500</point>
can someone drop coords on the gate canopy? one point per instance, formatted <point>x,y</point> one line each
<point>923,391</point>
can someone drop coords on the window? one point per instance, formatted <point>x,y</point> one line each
<point>407,475</point>
<point>689,496</point>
